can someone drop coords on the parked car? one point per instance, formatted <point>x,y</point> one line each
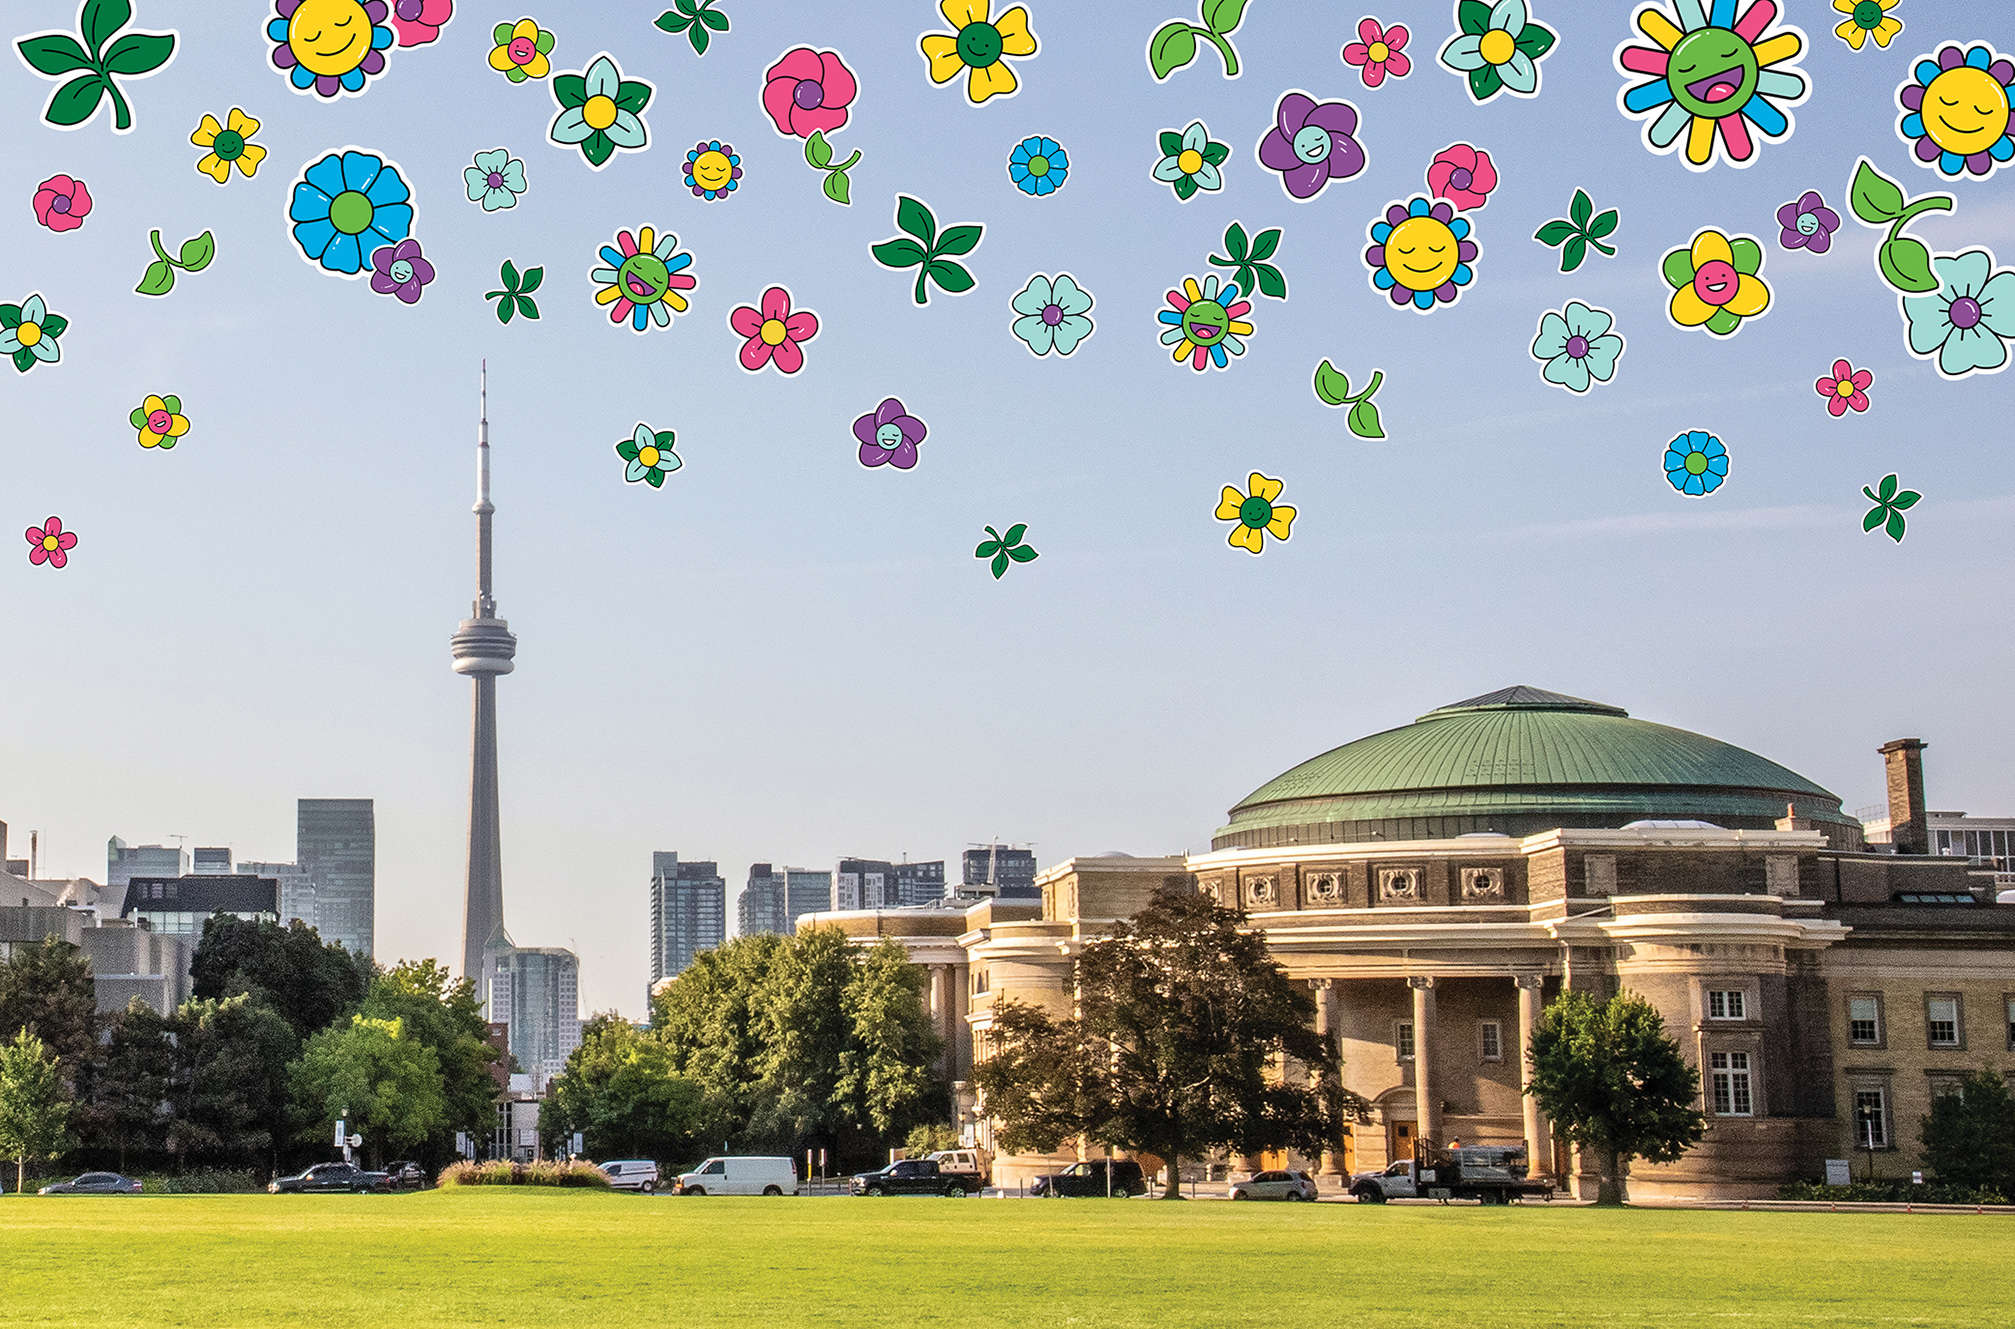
<point>1088,1179</point>
<point>632,1174</point>
<point>1491,1174</point>
<point>325,1177</point>
<point>405,1175</point>
<point>740,1176</point>
<point>1277,1184</point>
<point>912,1176</point>
<point>967,1163</point>
<point>94,1183</point>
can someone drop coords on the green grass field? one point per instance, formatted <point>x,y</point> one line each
<point>557,1258</point>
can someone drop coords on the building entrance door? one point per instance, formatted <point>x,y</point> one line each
<point>1402,1140</point>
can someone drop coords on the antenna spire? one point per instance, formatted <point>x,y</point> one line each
<point>486,605</point>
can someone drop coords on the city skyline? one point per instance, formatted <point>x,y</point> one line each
<point>784,656</point>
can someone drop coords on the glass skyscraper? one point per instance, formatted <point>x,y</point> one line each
<point>689,912</point>
<point>537,991</point>
<point>335,843</point>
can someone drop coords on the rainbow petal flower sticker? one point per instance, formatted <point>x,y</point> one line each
<point>980,49</point>
<point>1716,283</point>
<point>159,421</point>
<point>1204,322</point>
<point>1256,513</point>
<point>1714,78</point>
<point>50,543</point>
<point>643,279</point>
<point>1957,111</point>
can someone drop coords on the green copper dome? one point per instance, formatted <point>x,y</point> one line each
<point>1519,761</point>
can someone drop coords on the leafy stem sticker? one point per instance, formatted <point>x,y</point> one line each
<point>98,65</point>
<point>1583,227</point>
<point>819,156</point>
<point>194,256</point>
<point>1002,548</point>
<point>927,251</point>
<point>1903,261</point>
<point>1888,510</point>
<point>1173,45</point>
<point>698,19</point>
<point>1332,388</point>
<point>516,297</point>
<point>1247,269</point>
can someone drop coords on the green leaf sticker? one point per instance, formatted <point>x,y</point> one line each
<point>1582,228</point>
<point>160,279</point>
<point>516,297</point>
<point>819,156</point>
<point>1174,44</point>
<point>1332,388</point>
<point>1005,549</point>
<point>1248,271</point>
<point>98,61</point>
<point>1875,198</point>
<point>195,255</point>
<point>1878,201</point>
<point>698,19</point>
<point>926,252</point>
<point>1889,507</point>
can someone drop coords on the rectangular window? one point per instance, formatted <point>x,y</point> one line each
<point>1941,1021</point>
<point>1864,1021</point>
<point>1871,1119</point>
<point>1490,1039</point>
<point>1726,1006</point>
<point>1402,1039</point>
<point>1731,1084</point>
<point>2011,1024</point>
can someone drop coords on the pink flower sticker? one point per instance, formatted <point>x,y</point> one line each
<point>1463,175</point>
<point>774,333</point>
<point>807,91</point>
<point>420,21</point>
<point>1376,52</point>
<point>50,543</point>
<point>1845,388</point>
<point>62,204</point>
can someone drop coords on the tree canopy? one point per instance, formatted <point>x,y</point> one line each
<point>310,983</point>
<point>34,1103</point>
<point>374,1075</point>
<point>47,989</point>
<point>1969,1136</point>
<point>1614,1084</point>
<point>440,1012</point>
<point>621,1093</point>
<point>1187,1037</point>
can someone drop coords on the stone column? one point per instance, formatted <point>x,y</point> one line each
<point>961,1030</point>
<point>1426,1103</point>
<point>1538,1138</point>
<point>941,1012</point>
<point>1326,1020</point>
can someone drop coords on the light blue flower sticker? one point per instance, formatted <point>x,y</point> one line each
<point>1967,321</point>
<point>1038,166</point>
<point>1577,347</point>
<point>347,205</point>
<point>1696,463</point>
<point>496,180</point>
<point>1053,314</point>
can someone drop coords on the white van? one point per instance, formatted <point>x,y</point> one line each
<point>632,1174</point>
<point>740,1176</point>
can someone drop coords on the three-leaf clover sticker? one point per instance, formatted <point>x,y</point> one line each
<point>1173,45</point>
<point>1248,271</point>
<point>1002,548</point>
<point>698,19</point>
<point>1888,510</point>
<point>1332,388</point>
<point>1904,261</point>
<point>819,156</point>
<point>98,66</point>
<point>1584,228</point>
<point>194,256</point>
<point>927,252</point>
<point>517,293</point>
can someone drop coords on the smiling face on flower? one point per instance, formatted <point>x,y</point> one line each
<point>1712,72</point>
<point>329,37</point>
<point>1965,111</point>
<point>1421,253</point>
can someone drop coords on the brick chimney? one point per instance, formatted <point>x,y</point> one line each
<point>1903,760</point>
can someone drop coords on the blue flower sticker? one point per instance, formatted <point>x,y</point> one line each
<point>1696,463</point>
<point>347,205</point>
<point>1038,166</point>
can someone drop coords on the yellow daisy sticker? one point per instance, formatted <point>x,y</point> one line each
<point>980,47</point>
<point>1256,513</point>
<point>228,142</point>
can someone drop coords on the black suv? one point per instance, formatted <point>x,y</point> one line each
<point>406,1176</point>
<point>1089,1179</point>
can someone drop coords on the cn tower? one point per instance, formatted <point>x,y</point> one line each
<point>483,647</point>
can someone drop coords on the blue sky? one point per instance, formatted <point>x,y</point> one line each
<point>784,656</point>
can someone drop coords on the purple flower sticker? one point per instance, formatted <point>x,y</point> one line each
<point>1808,224</point>
<point>1310,144</point>
<point>399,270</point>
<point>889,436</point>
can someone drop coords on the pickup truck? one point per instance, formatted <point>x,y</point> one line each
<point>912,1176</point>
<point>963,1163</point>
<point>1490,1174</point>
<point>325,1177</point>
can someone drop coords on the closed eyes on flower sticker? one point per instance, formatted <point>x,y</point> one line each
<point>1311,144</point>
<point>601,112</point>
<point>1957,111</point>
<point>1420,254</point>
<point>1807,223</point>
<point>1205,321</point>
<point>331,48</point>
<point>889,435</point>
<point>1713,78</point>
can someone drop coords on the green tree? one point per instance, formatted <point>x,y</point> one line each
<point>709,1020</point>
<point>621,1091</point>
<point>129,1094</point>
<point>1613,1084</point>
<point>1969,1138</point>
<point>441,1012</point>
<point>886,1074</point>
<point>311,984</point>
<point>386,1083</point>
<point>34,1104</point>
<point>802,1022</point>
<point>1038,1080</point>
<point>47,990</point>
<point>231,1080</point>
<point>923,1141</point>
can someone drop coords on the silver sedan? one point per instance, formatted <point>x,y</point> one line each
<point>1275,1185</point>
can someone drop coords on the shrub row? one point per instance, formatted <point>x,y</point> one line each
<point>212,1182</point>
<point>501,1173</point>
<point>1892,1192</point>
